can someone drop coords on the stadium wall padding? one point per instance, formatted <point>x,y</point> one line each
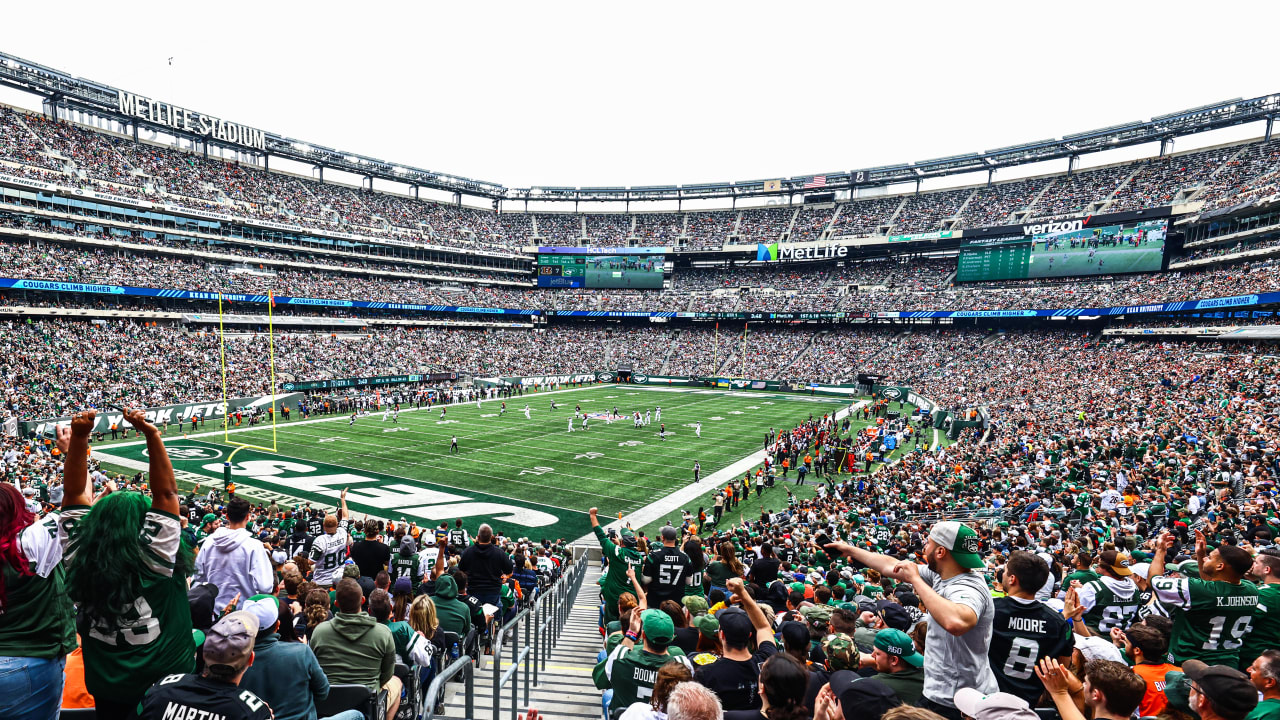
<point>167,414</point>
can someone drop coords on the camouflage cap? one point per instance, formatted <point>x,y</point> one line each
<point>841,653</point>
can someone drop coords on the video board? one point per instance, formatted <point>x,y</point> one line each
<point>1065,249</point>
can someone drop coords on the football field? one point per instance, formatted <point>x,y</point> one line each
<point>1106,260</point>
<point>528,477</point>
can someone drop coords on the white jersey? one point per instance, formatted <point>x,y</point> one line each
<point>328,553</point>
<point>570,424</point>
<point>697,429</point>
<point>526,414</point>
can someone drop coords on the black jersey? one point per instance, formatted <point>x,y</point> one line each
<point>668,571</point>
<point>191,696</point>
<point>299,543</point>
<point>315,525</point>
<point>1023,632</point>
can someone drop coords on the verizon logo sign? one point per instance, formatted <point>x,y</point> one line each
<point>1054,228</point>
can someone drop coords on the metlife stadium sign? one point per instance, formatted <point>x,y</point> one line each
<point>180,118</point>
<point>792,252</point>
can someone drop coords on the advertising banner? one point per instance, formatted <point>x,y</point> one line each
<point>355,382</point>
<point>167,415</point>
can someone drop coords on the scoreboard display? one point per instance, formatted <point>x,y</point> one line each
<point>1067,249</point>
<point>600,271</point>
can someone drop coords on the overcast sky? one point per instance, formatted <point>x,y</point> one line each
<point>608,93</point>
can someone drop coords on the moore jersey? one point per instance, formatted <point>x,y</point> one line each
<point>1109,603</point>
<point>1210,619</point>
<point>1024,631</point>
<point>667,570</point>
<point>1265,634</point>
<point>328,553</point>
<point>192,696</point>
<point>153,636</point>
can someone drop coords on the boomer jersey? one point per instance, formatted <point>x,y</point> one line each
<point>1210,619</point>
<point>1025,631</point>
<point>1109,603</point>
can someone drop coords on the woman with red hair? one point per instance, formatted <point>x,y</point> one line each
<point>37,626</point>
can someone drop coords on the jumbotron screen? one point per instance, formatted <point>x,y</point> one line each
<point>1065,250</point>
<point>600,271</point>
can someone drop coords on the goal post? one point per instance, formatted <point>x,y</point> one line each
<point>227,410</point>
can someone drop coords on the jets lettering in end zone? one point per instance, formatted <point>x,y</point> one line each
<point>1053,228</point>
<point>403,499</point>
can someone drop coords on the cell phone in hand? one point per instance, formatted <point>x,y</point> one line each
<point>822,539</point>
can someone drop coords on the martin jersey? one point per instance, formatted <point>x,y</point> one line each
<point>328,552</point>
<point>192,696</point>
<point>1210,619</point>
<point>1023,632</point>
<point>1109,603</point>
<point>668,571</point>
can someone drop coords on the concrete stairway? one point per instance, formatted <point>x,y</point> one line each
<point>564,688</point>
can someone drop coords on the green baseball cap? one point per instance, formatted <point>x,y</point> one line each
<point>658,627</point>
<point>707,625</point>
<point>960,540</point>
<point>898,644</point>
<point>695,604</point>
<point>208,518</point>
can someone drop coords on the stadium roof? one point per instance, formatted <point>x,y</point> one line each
<point>64,90</point>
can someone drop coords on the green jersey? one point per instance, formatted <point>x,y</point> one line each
<point>1084,576</point>
<point>1265,634</point>
<point>38,619</point>
<point>154,634</point>
<point>631,672</point>
<point>1211,619</point>
<point>616,581</point>
<point>406,566</point>
<point>1109,603</point>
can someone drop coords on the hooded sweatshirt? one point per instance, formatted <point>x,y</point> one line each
<point>235,562</point>
<point>454,615</point>
<point>354,649</point>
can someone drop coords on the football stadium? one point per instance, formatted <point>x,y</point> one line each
<point>297,428</point>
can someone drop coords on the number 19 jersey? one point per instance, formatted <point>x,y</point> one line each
<point>1024,631</point>
<point>1211,619</point>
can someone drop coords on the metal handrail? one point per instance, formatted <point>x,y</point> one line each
<point>543,621</point>
<point>462,664</point>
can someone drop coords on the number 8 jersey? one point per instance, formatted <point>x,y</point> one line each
<point>1210,618</point>
<point>1024,632</point>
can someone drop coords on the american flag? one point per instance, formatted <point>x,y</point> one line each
<point>817,182</point>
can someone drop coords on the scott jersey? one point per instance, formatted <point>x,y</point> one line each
<point>667,570</point>
<point>1109,603</point>
<point>192,696</point>
<point>1024,631</point>
<point>328,553</point>
<point>1210,619</point>
<point>152,638</point>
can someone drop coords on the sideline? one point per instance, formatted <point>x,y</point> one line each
<point>674,501</point>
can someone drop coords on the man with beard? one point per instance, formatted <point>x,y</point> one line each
<point>960,610</point>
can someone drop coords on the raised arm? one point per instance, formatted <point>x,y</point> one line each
<point>343,512</point>
<point>164,488</point>
<point>764,631</point>
<point>73,441</point>
<point>956,618</point>
<point>442,547</point>
<point>882,564</point>
<point>1163,544</point>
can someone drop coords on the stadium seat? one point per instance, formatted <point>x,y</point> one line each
<point>353,697</point>
<point>411,698</point>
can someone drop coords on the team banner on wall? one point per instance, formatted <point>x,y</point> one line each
<point>891,392</point>
<point>167,415</point>
<point>57,286</point>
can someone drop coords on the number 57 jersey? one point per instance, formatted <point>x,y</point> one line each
<point>1024,631</point>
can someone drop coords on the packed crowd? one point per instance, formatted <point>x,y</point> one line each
<point>33,146</point>
<point>1108,549</point>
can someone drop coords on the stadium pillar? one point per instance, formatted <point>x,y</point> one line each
<point>991,177</point>
<point>1071,164</point>
<point>1271,121</point>
<point>1166,145</point>
<point>266,162</point>
<point>320,171</point>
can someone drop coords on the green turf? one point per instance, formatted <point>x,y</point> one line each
<point>1076,261</point>
<point>510,462</point>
